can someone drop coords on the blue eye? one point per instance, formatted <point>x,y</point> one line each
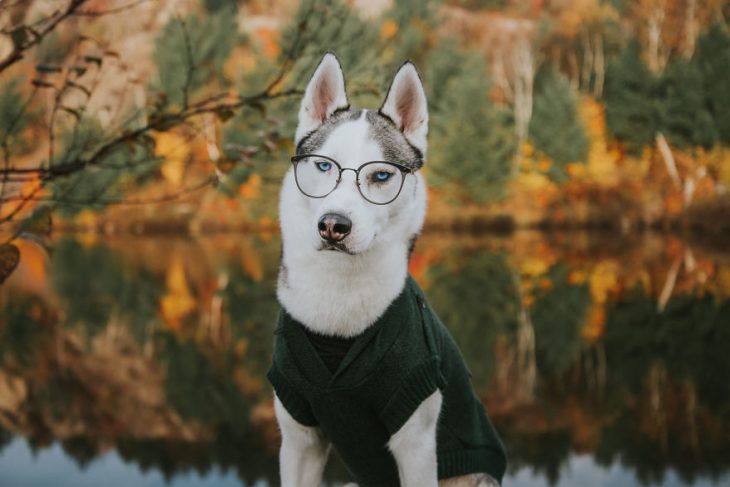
<point>323,166</point>
<point>382,176</point>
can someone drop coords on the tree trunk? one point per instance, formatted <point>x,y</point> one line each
<point>524,79</point>
<point>668,158</point>
<point>654,28</point>
<point>599,64</point>
<point>587,65</point>
<point>669,284</point>
<point>690,29</point>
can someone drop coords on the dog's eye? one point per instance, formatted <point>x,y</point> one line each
<point>323,166</point>
<point>382,176</point>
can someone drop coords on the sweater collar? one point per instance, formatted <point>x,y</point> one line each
<point>364,353</point>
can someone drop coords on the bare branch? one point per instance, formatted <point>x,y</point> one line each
<point>23,202</point>
<point>211,180</point>
<point>36,36</point>
<point>162,123</point>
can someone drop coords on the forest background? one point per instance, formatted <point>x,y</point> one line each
<point>177,115</point>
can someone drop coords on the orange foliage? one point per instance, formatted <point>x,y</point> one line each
<point>595,324</point>
<point>576,277</point>
<point>251,262</point>
<point>28,189</point>
<point>251,189</point>
<point>268,39</point>
<point>388,29</point>
<point>420,261</point>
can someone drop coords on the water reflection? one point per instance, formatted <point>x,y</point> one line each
<point>591,351</point>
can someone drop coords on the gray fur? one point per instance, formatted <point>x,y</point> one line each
<point>393,144</point>
<point>314,140</point>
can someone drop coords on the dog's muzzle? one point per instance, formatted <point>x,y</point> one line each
<point>333,227</point>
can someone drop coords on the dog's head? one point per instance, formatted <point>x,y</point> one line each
<point>355,182</point>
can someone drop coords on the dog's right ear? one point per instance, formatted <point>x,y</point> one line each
<point>325,93</point>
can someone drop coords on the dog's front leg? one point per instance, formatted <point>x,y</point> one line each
<point>414,445</point>
<point>303,452</point>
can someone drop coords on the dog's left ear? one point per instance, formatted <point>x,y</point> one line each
<point>406,105</point>
<point>325,93</point>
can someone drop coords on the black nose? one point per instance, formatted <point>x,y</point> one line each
<point>333,227</point>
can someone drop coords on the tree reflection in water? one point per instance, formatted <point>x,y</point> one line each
<point>157,348</point>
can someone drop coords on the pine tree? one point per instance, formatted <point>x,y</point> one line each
<point>417,21</point>
<point>472,140</point>
<point>190,52</point>
<point>331,24</point>
<point>631,114</point>
<point>557,316</point>
<point>127,165</point>
<point>12,119</point>
<point>555,128</point>
<point>683,117</point>
<point>713,60</point>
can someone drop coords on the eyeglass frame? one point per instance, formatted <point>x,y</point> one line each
<point>405,170</point>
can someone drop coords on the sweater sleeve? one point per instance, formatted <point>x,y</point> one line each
<point>293,402</point>
<point>420,383</point>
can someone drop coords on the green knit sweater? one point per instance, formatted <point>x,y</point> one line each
<point>385,375</point>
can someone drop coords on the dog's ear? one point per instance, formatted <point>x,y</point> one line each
<point>406,105</point>
<point>325,93</point>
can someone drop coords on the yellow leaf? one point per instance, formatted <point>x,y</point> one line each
<point>178,302</point>
<point>532,266</point>
<point>602,280</point>
<point>174,150</point>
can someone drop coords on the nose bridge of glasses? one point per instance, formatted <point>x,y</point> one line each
<point>355,171</point>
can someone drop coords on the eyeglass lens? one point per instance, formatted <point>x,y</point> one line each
<point>378,182</point>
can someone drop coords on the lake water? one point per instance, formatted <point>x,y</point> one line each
<point>602,360</point>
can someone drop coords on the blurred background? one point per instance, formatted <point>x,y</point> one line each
<point>577,242</point>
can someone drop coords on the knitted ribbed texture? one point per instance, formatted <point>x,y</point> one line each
<point>295,405</point>
<point>455,463</point>
<point>417,386</point>
<point>386,374</point>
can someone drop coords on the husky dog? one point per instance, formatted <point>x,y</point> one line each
<point>361,362</point>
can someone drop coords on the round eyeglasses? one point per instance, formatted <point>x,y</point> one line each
<point>379,182</point>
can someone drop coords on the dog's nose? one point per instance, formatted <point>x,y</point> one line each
<point>333,227</point>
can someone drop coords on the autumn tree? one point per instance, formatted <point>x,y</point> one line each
<point>558,314</point>
<point>682,113</point>
<point>472,139</point>
<point>555,127</point>
<point>713,61</point>
<point>630,107</point>
<point>65,148</point>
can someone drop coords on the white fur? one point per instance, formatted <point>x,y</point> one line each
<point>332,292</point>
<point>343,293</point>
<point>303,453</point>
<point>406,106</point>
<point>325,93</point>
<point>414,445</point>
